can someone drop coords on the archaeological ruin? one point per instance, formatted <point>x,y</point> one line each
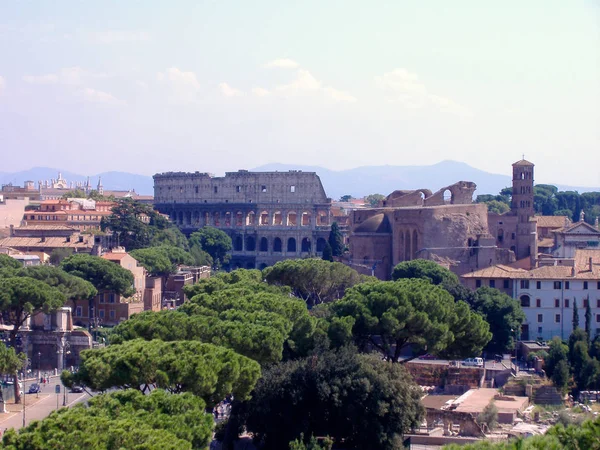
<point>270,216</point>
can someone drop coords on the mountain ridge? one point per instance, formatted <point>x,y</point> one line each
<point>358,181</point>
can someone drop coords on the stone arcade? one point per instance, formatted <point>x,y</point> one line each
<point>270,216</point>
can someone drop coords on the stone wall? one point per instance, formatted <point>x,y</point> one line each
<point>270,216</point>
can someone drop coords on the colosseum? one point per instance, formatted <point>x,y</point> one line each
<point>270,216</point>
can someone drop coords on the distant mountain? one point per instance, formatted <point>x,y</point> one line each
<point>357,182</point>
<point>117,181</point>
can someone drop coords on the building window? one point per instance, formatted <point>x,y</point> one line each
<point>101,313</point>
<point>78,311</point>
<point>492,283</point>
<point>101,296</point>
<point>556,303</point>
<point>557,318</point>
<point>598,303</point>
<point>566,302</point>
<point>238,189</point>
<point>567,285</point>
<point>111,313</point>
<point>196,189</point>
<point>538,284</point>
<point>585,285</point>
<point>112,298</point>
<point>524,284</point>
<point>585,302</point>
<point>216,189</point>
<point>525,301</point>
<point>292,188</point>
<point>540,318</point>
<point>506,284</point>
<point>478,284</point>
<point>538,302</point>
<point>598,287</point>
<point>263,188</point>
<point>597,319</point>
<point>558,285</point>
<point>540,330</point>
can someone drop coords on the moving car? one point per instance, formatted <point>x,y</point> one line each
<point>77,389</point>
<point>34,388</point>
<point>475,362</point>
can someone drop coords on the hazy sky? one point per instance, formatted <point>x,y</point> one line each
<point>149,86</point>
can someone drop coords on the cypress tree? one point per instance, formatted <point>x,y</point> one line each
<point>588,321</point>
<point>336,240</point>
<point>575,315</point>
<point>327,253</point>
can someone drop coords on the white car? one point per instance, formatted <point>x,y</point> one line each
<point>475,362</point>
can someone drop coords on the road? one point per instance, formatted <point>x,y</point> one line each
<point>47,401</point>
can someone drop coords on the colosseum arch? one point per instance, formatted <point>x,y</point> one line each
<point>277,218</point>
<point>305,220</point>
<point>227,219</point>
<point>407,250</point>
<point>180,221</point>
<point>205,219</point>
<point>277,245</point>
<point>239,219</point>
<point>264,218</point>
<point>305,246</point>
<point>291,245</point>
<point>264,245</point>
<point>196,217</point>
<point>251,218</point>
<point>217,219</point>
<point>401,255</point>
<point>250,244</point>
<point>321,243</point>
<point>322,218</point>
<point>292,219</point>
<point>238,244</point>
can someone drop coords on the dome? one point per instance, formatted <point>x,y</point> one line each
<point>379,223</point>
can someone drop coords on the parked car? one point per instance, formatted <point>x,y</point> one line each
<point>34,388</point>
<point>428,356</point>
<point>77,389</point>
<point>474,362</point>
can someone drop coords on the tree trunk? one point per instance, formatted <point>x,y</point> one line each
<point>13,343</point>
<point>233,424</point>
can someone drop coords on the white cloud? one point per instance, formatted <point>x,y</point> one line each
<point>116,36</point>
<point>228,91</point>
<point>72,76</point>
<point>282,63</point>
<point>184,86</point>
<point>306,83</point>
<point>95,96</point>
<point>260,92</point>
<point>2,84</point>
<point>406,88</point>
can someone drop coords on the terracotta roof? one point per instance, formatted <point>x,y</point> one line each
<point>115,256</point>
<point>49,242</point>
<point>40,227</point>
<point>546,243</point>
<point>498,271</point>
<point>552,221</point>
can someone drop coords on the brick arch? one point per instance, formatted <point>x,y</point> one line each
<point>263,245</point>
<point>277,245</point>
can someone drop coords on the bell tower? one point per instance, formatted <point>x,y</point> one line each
<point>522,206</point>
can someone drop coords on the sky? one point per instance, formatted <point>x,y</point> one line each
<point>219,85</point>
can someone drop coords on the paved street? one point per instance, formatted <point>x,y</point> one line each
<point>46,403</point>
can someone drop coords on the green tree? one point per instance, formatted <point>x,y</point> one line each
<point>579,360</point>
<point>103,274</point>
<point>489,416</point>
<point>72,287</point>
<point>560,375</point>
<point>162,260</point>
<point>425,269</point>
<point>575,315</point>
<point>336,240</point>
<point>208,371</point>
<point>58,254</point>
<point>497,207</point>
<point>578,335</point>
<point>590,375</point>
<point>313,280</point>
<point>588,321</point>
<point>557,352</point>
<point>346,198</point>
<point>392,316</point>
<point>357,399</point>
<point>74,193</point>
<point>373,200</point>
<point>327,253</point>
<point>8,265</point>
<point>312,444</point>
<point>20,299</point>
<point>10,363</point>
<point>214,242</point>
<point>502,313</point>
<point>119,420</point>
